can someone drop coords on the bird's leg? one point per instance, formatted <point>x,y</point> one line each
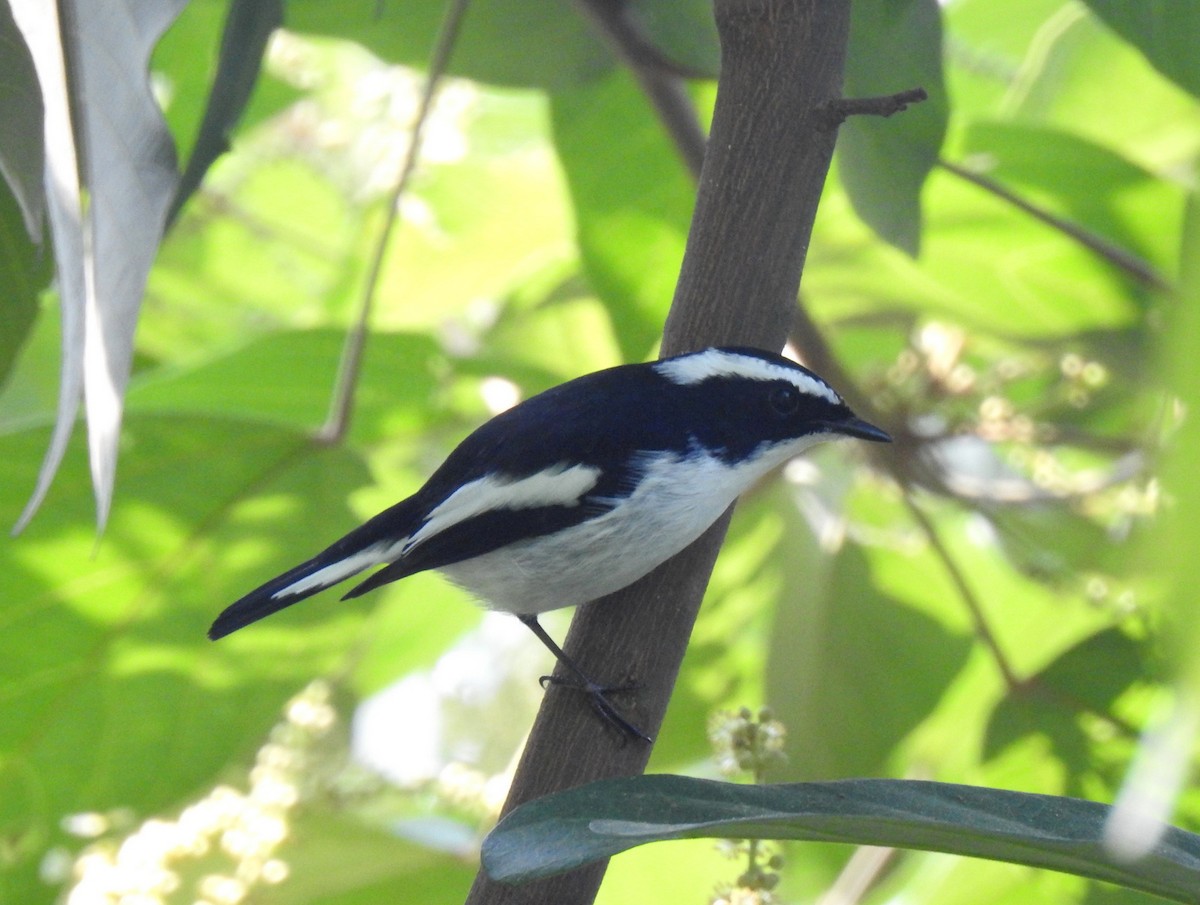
<point>597,693</point>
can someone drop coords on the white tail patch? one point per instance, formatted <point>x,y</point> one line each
<point>560,485</point>
<point>374,555</point>
<point>697,367</point>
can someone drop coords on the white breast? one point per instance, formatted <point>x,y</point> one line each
<point>676,501</point>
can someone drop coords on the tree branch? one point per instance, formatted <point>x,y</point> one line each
<point>341,406</point>
<point>663,85</point>
<point>1132,265</point>
<point>837,111</point>
<point>767,159</point>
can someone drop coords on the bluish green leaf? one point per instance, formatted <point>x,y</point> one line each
<point>596,821</point>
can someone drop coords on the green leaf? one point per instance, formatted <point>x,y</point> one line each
<point>633,203</point>
<point>1086,183</point>
<point>684,32</point>
<point>24,271</point>
<point>247,28</point>
<point>337,860</point>
<point>112,695</point>
<point>504,42</point>
<point>853,670</point>
<point>22,154</point>
<point>596,821</point>
<point>1091,674</point>
<point>1164,30</point>
<point>883,163</point>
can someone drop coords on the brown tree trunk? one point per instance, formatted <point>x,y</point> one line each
<point>768,153</point>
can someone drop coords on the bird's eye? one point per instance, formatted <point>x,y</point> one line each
<point>784,399</point>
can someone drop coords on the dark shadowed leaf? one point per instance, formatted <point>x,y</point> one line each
<point>26,271</point>
<point>504,42</point>
<point>1088,677</point>
<point>573,828</point>
<point>685,32</point>
<point>22,157</point>
<point>247,28</point>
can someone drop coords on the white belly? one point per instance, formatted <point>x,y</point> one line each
<point>673,505</point>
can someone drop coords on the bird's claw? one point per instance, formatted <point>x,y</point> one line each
<point>598,697</point>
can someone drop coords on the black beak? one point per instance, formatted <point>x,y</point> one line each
<point>856,427</point>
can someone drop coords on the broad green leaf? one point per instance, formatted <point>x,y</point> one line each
<point>257,383</point>
<point>883,163</point>
<point>985,44</point>
<point>337,859</point>
<point>1145,120</point>
<point>633,201</point>
<point>1089,678</point>
<point>505,42</point>
<point>984,265</point>
<point>596,821</point>
<point>113,697</point>
<point>1164,30</point>
<point>852,669</point>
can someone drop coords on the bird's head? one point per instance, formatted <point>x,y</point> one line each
<point>746,405</point>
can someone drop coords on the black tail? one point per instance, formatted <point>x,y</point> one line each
<point>377,542</point>
<point>263,601</point>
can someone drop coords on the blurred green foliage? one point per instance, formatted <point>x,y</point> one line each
<point>967,611</point>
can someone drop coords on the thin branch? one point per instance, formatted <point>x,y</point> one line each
<point>342,404</point>
<point>661,81</point>
<point>1109,251</point>
<point>982,630</point>
<point>836,112</point>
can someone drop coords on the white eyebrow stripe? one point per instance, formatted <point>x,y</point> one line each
<point>559,485</point>
<point>691,369</point>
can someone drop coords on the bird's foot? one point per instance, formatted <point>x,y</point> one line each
<point>597,695</point>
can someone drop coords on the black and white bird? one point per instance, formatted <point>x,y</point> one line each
<point>581,490</point>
